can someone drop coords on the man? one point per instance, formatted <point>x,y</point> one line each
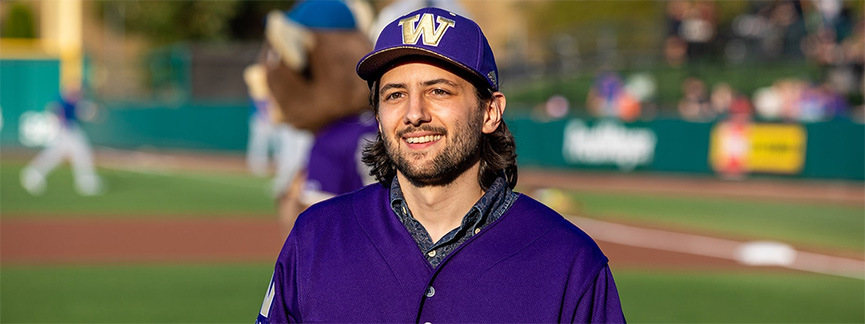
<point>70,143</point>
<point>441,237</point>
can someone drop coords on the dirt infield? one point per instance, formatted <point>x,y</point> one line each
<point>97,241</point>
<point>87,241</point>
<point>106,241</point>
<point>100,241</point>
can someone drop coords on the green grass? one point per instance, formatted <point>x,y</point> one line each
<point>814,224</point>
<point>208,293</point>
<point>232,293</point>
<point>690,297</point>
<point>133,194</point>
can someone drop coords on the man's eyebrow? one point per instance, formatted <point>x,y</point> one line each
<point>425,83</point>
<point>439,81</point>
<point>391,86</point>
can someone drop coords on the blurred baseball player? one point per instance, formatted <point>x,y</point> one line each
<point>441,237</point>
<point>308,59</point>
<point>69,143</point>
<point>262,129</point>
<point>267,128</point>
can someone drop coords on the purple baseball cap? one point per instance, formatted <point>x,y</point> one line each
<point>436,33</point>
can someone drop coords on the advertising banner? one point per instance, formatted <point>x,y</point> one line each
<point>833,149</point>
<point>741,148</point>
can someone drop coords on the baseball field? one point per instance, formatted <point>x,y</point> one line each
<point>191,238</point>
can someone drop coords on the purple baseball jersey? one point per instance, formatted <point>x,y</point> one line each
<point>350,260</point>
<point>334,161</point>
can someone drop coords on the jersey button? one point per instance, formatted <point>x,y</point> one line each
<point>430,291</point>
<point>431,254</point>
<point>477,230</point>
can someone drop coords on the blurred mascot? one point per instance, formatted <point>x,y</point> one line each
<point>309,56</point>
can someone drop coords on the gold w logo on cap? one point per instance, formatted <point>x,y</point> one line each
<point>432,35</point>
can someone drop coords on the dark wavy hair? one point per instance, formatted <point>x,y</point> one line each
<point>498,155</point>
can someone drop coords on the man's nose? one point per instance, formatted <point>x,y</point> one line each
<point>417,112</point>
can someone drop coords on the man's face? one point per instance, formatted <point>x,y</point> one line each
<point>431,122</point>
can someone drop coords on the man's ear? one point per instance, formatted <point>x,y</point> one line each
<point>377,121</point>
<point>493,112</point>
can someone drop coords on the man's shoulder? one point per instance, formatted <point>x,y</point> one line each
<point>550,226</point>
<point>536,213</point>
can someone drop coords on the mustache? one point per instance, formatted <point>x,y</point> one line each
<point>422,128</point>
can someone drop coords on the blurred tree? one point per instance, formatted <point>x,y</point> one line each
<point>19,22</point>
<point>630,26</point>
<point>729,10</point>
<point>556,16</point>
<point>166,21</point>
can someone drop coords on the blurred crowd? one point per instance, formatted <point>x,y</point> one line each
<point>786,99</point>
<point>789,99</point>
<point>827,34</point>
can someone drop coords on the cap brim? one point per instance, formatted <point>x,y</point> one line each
<point>373,65</point>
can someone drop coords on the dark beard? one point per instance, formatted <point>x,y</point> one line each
<point>447,166</point>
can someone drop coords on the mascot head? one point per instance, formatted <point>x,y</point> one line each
<point>309,57</point>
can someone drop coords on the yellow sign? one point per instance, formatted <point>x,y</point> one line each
<point>738,148</point>
<point>777,148</point>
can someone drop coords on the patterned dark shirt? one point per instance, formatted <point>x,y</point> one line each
<point>495,202</point>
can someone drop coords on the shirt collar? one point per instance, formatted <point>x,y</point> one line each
<point>488,203</point>
<point>490,207</point>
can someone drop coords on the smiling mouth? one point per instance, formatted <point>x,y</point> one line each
<point>423,139</point>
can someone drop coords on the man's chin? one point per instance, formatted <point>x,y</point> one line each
<point>426,181</point>
<point>430,176</point>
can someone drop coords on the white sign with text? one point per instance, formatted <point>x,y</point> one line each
<point>608,142</point>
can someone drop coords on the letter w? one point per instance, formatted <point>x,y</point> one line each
<point>431,35</point>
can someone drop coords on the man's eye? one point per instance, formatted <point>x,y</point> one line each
<point>439,92</point>
<point>393,95</point>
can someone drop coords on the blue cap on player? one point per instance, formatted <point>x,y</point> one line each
<point>322,14</point>
<point>436,33</point>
